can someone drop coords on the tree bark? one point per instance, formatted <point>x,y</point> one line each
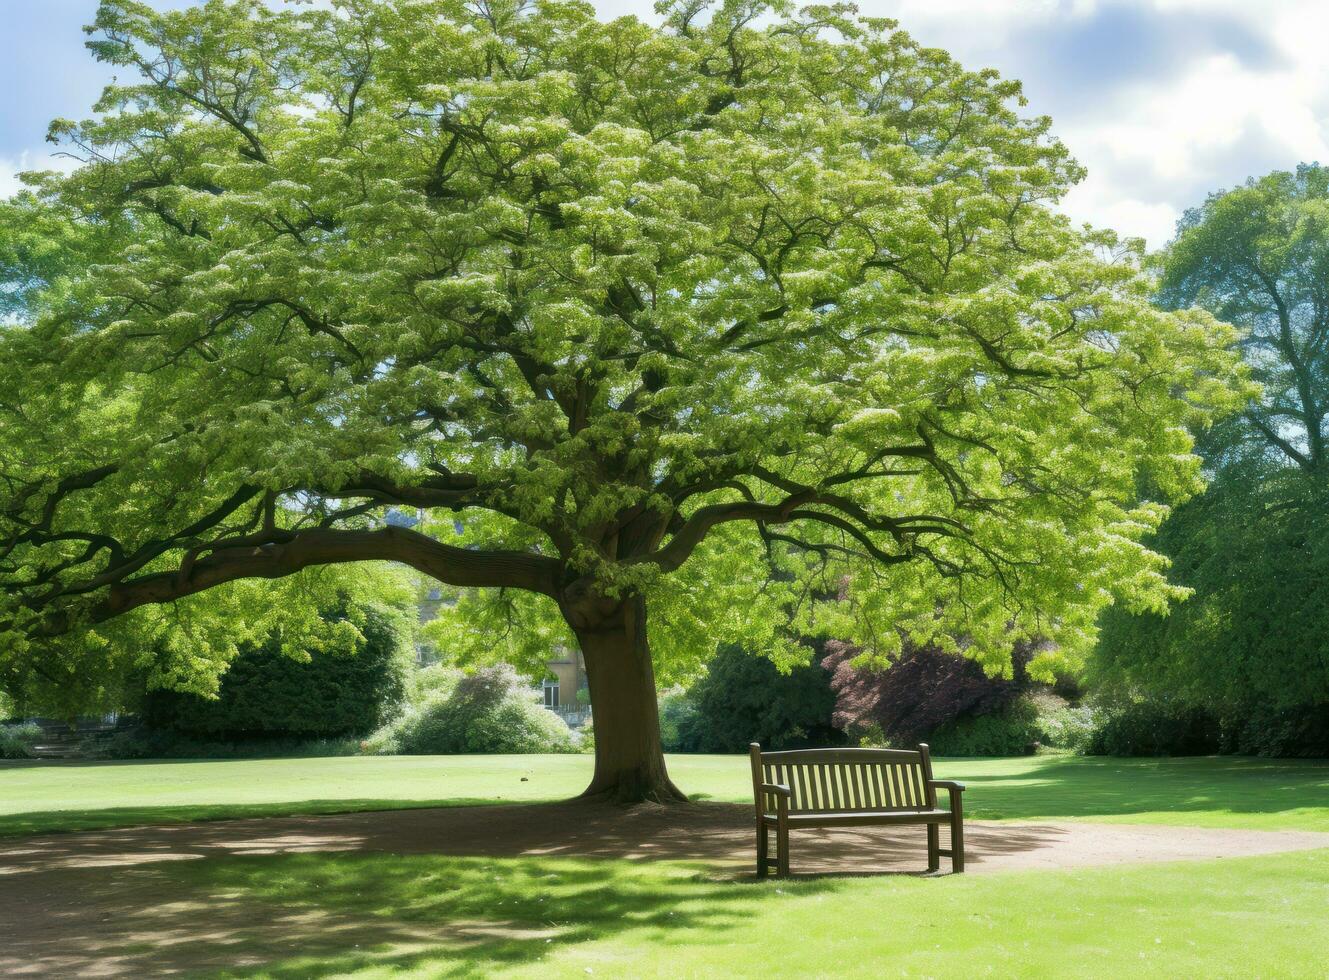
<point>629,760</point>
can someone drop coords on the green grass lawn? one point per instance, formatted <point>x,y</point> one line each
<point>1221,792</point>
<point>440,915</point>
<point>568,918</point>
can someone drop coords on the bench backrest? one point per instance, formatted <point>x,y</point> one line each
<point>845,780</point>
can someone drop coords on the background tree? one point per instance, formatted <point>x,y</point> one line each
<point>1251,643</point>
<point>1258,257</point>
<point>702,320</point>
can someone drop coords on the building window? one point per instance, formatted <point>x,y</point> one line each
<point>551,694</point>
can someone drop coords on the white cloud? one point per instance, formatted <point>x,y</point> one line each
<point>1162,100</point>
<point>1091,204</point>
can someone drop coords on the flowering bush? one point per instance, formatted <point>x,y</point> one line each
<point>18,741</point>
<point>490,711</point>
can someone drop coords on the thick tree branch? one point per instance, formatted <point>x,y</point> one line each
<point>321,546</point>
<point>694,530</point>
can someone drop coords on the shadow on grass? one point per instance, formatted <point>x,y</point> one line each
<point>1054,787</point>
<point>494,913</point>
<point>298,915</point>
<point>66,821</point>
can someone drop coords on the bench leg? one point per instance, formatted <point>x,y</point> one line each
<point>782,849</point>
<point>957,837</point>
<point>763,846</point>
<point>934,847</point>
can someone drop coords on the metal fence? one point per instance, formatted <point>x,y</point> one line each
<point>574,715</point>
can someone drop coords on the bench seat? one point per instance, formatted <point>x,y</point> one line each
<point>864,818</point>
<point>804,788</point>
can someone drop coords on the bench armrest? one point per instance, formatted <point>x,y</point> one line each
<point>947,784</point>
<point>778,789</point>
<point>955,791</point>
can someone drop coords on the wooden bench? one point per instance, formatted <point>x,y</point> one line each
<point>851,788</point>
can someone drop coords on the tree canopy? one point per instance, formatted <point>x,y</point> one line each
<point>1258,257</point>
<point>718,319</point>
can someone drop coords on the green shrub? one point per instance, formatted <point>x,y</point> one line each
<point>585,738</point>
<point>745,698</point>
<point>267,695</point>
<point>1012,730</point>
<point>678,715</point>
<point>490,711</point>
<point>19,741</point>
<point>1144,726</point>
<point>1069,727</point>
<point>432,682</point>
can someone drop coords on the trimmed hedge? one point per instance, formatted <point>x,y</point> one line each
<point>147,743</point>
<point>1158,727</point>
<point>1301,732</point>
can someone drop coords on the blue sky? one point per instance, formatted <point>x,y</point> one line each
<point>1163,100</point>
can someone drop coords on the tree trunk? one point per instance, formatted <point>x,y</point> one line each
<point>629,762</point>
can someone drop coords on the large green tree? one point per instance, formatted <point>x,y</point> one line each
<point>1255,548</point>
<point>708,320</point>
<point>1258,256</point>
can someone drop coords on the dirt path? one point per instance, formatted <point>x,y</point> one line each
<point>93,904</point>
